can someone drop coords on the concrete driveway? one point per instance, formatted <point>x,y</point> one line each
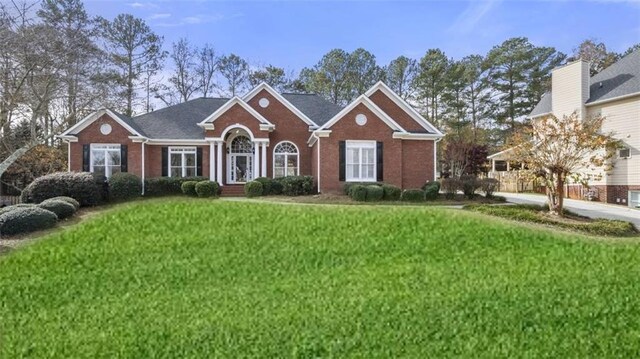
<point>589,209</point>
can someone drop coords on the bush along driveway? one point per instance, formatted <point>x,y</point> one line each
<point>584,208</point>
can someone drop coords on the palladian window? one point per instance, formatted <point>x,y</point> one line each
<point>285,160</point>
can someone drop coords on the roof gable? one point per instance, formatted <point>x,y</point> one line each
<point>264,86</point>
<point>371,106</point>
<point>227,106</point>
<point>88,120</point>
<point>408,109</point>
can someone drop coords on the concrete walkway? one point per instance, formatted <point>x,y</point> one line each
<point>589,209</point>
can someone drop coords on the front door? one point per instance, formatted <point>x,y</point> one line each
<point>241,169</point>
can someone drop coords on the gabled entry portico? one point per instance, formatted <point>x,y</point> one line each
<point>244,158</point>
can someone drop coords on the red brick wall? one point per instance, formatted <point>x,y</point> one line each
<point>118,135</point>
<point>395,112</point>
<point>417,163</point>
<point>289,127</point>
<point>606,193</point>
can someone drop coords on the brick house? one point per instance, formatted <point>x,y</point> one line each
<point>377,137</point>
<point>613,93</point>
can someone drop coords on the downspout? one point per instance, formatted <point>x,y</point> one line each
<point>435,158</point>
<point>68,155</point>
<point>318,164</point>
<point>143,164</point>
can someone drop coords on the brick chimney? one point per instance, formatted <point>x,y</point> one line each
<point>570,89</point>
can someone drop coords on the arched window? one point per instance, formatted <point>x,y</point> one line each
<point>241,144</point>
<point>285,160</point>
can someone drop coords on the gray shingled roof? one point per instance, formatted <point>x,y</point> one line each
<point>315,107</point>
<point>178,121</point>
<point>621,78</point>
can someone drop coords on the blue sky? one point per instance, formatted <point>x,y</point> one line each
<point>294,34</point>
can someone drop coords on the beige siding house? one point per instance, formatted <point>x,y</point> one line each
<point>614,93</point>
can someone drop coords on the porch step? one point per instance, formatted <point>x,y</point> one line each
<point>232,191</point>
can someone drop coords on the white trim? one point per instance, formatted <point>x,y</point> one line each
<point>318,164</point>
<point>361,144</point>
<point>237,125</point>
<point>93,146</point>
<point>263,164</point>
<point>176,142</point>
<point>235,101</point>
<point>315,136</point>
<point>416,136</point>
<point>219,163</point>
<point>85,122</point>
<point>371,106</point>
<point>435,159</point>
<point>403,105</point>
<point>500,153</point>
<point>183,150</point>
<point>212,161</point>
<point>273,157</point>
<point>68,138</point>
<point>539,115</point>
<point>256,160</point>
<point>68,156</point>
<point>279,97</point>
<point>143,165</point>
<point>621,97</point>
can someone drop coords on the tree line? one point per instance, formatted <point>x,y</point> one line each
<point>58,63</point>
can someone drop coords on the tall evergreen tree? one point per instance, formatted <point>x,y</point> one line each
<point>363,72</point>
<point>273,76</point>
<point>400,76</point>
<point>235,71</point>
<point>329,77</point>
<point>430,82</point>
<point>476,94</point>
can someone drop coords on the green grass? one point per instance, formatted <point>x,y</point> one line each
<point>197,278</point>
<point>540,214</point>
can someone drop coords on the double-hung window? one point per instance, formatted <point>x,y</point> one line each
<point>105,159</point>
<point>361,161</point>
<point>182,161</point>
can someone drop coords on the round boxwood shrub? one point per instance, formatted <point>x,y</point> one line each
<point>124,186</point>
<point>358,193</point>
<point>391,193</point>
<point>431,191</point>
<point>78,185</point>
<point>413,195</point>
<point>189,188</point>
<point>62,209</point>
<point>26,219</point>
<point>374,193</point>
<point>276,187</point>
<point>266,185</point>
<point>12,207</point>
<point>206,188</point>
<point>69,200</point>
<point>253,189</point>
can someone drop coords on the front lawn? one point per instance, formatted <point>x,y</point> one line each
<point>198,278</point>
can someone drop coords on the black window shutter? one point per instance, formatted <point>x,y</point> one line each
<point>86,158</point>
<point>380,163</point>
<point>165,161</point>
<point>342,155</point>
<point>199,161</point>
<point>123,158</point>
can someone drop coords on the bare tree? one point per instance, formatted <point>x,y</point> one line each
<point>206,69</point>
<point>184,79</point>
<point>235,70</point>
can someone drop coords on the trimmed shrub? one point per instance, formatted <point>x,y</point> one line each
<point>69,200</point>
<point>103,187</point>
<point>267,183</point>
<point>276,187</point>
<point>470,185</point>
<point>62,209</point>
<point>189,188</point>
<point>297,185</point>
<point>358,193</point>
<point>26,219</point>
<point>348,185</point>
<point>391,193</point>
<point>12,207</point>
<point>431,190</point>
<point>124,186</point>
<point>253,189</point>
<point>167,186</point>
<point>488,186</point>
<point>80,186</point>
<point>374,193</point>
<point>207,189</point>
<point>413,195</point>
<point>450,186</point>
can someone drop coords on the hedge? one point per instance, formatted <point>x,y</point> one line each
<point>431,190</point>
<point>189,188</point>
<point>80,186</point>
<point>358,192</point>
<point>297,185</point>
<point>276,187</point>
<point>488,186</point>
<point>267,183</point>
<point>62,209</point>
<point>124,186</point>
<point>69,200</point>
<point>26,219</point>
<point>450,187</point>
<point>413,195</point>
<point>167,186</point>
<point>374,193</point>
<point>207,189</point>
<point>348,185</point>
<point>391,193</point>
<point>12,207</point>
<point>253,189</point>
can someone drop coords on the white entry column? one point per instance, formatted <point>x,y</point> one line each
<point>256,160</point>
<point>264,160</point>
<point>212,161</point>
<point>219,162</point>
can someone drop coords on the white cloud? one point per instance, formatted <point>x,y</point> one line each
<point>197,20</point>
<point>159,16</point>
<point>472,15</point>
<point>142,5</point>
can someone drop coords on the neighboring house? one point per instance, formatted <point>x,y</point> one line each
<point>614,94</point>
<point>377,137</point>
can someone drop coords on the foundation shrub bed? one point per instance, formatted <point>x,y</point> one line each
<point>81,186</point>
<point>167,186</point>
<point>253,189</point>
<point>267,184</point>
<point>124,186</point>
<point>26,219</point>
<point>62,209</point>
<point>206,189</point>
<point>413,195</point>
<point>189,188</point>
